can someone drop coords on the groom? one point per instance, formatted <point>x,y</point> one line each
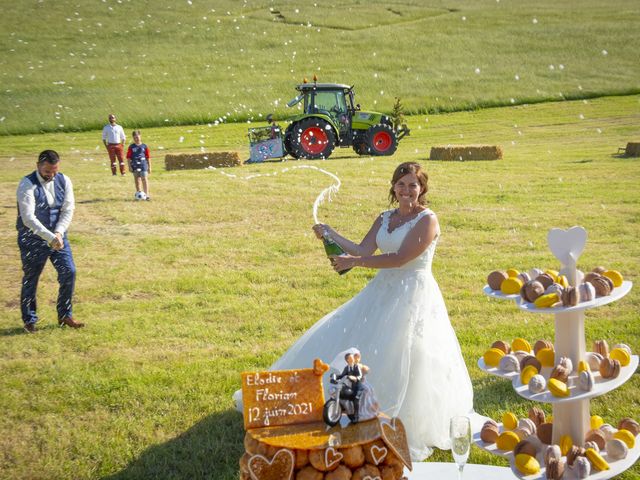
<point>353,372</point>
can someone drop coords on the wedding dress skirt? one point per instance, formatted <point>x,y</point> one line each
<point>400,324</point>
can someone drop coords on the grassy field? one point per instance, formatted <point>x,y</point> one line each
<point>164,62</point>
<point>218,275</point>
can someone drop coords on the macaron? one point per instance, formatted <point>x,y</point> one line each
<point>537,415</point>
<point>624,347</point>
<point>528,425</point>
<point>566,363</point>
<point>599,269</point>
<point>566,442</point>
<point>524,276</point>
<point>609,368</point>
<point>525,446</point>
<point>626,436</point>
<point>545,279</point>
<point>546,356</point>
<point>530,360</point>
<point>586,381</point>
<point>558,388</point>
<point>582,467</point>
<point>520,344</point>
<point>591,444</point>
<point>489,432</point>
<point>501,345</point>
<point>563,281</point>
<point>492,357</point>
<point>496,278</point>
<point>560,373</point>
<point>594,359</point>
<point>526,464</point>
<point>601,347</point>
<point>509,421</point>
<point>507,441</point>
<point>554,469</point>
<point>586,292</point>
<point>596,421</point>
<point>544,432</point>
<point>616,449</point>
<point>596,460</point>
<point>509,363</point>
<point>527,373</point>
<point>608,431</point>
<point>552,273</point>
<point>554,288</point>
<point>584,366</point>
<point>596,435</point>
<point>534,272</point>
<point>621,355</point>
<point>552,452</point>
<point>601,285</point>
<point>531,290</point>
<point>629,424</point>
<point>547,300</point>
<point>540,344</point>
<point>512,272</point>
<point>511,285</point>
<point>537,384</point>
<point>573,453</point>
<point>570,297</point>
<point>615,276</point>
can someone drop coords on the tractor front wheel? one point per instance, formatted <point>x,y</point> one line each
<point>381,140</point>
<point>311,138</point>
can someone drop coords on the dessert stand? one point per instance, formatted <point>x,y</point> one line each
<point>571,415</point>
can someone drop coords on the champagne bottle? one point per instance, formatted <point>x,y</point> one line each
<point>332,248</point>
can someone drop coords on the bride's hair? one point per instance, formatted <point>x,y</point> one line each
<point>404,169</point>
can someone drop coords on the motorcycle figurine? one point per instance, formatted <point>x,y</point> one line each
<point>341,400</point>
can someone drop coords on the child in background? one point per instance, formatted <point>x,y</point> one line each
<point>139,163</point>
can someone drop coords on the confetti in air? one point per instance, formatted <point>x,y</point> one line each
<point>323,196</point>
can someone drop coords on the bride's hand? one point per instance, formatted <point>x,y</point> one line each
<point>320,229</point>
<point>342,262</point>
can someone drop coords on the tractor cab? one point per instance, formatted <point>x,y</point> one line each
<point>329,99</point>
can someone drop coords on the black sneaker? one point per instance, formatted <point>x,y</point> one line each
<point>30,328</point>
<point>148,198</point>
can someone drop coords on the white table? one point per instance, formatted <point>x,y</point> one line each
<point>449,471</point>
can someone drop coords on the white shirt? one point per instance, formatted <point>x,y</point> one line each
<point>113,133</point>
<point>27,207</point>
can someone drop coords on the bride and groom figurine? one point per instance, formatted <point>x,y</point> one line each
<point>349,392</point>
<point>398,320</point>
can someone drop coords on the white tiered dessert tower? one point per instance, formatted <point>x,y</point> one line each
<point>571,415</point>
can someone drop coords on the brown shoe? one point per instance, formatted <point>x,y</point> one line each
<point>69,322</point>
<point>30,328</point>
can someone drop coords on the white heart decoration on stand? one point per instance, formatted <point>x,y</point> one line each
<point>567,245</point>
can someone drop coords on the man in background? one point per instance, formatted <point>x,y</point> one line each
<point>45,209</point>
<point>113,138</point>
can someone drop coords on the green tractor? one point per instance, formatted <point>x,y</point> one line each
<point>331,119</point>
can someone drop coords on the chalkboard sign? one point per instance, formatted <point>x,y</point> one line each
<point>282,397</point>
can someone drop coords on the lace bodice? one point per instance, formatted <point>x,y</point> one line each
<point>390,242</point>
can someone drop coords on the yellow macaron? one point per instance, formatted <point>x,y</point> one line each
<point>492,357</point>
<point>626,436</point>
<point>507,440</point>
<point>596,459</point>
<point>512,272</point>
<point>511,285</point>
<point>526,464</point>
<point>520,344</point>
<point>527,373</point>
<point>546,356</point>
<point>583,366</point>
<point>546,300</point>
<point>621,355</point>
<point>596,422</point>
<point>566,442</point>
<point>615,276</point>
<point>558,388</point>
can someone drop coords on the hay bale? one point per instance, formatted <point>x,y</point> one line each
<point>194,161</point>
<point>466,152</point>
<point>632,150</point>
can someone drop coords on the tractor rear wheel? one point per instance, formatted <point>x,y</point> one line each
<point>381,140</point>
<point>311,138</point>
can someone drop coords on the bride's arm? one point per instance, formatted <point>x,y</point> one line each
<point>367,246</point>
<point>415,243</point>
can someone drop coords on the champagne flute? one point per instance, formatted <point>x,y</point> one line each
<point>460,433</point>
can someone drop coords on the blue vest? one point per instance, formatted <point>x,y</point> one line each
<point>138,157</point>
<point>48,216</point>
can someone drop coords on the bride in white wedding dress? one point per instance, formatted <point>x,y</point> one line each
<point>398,321</point>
